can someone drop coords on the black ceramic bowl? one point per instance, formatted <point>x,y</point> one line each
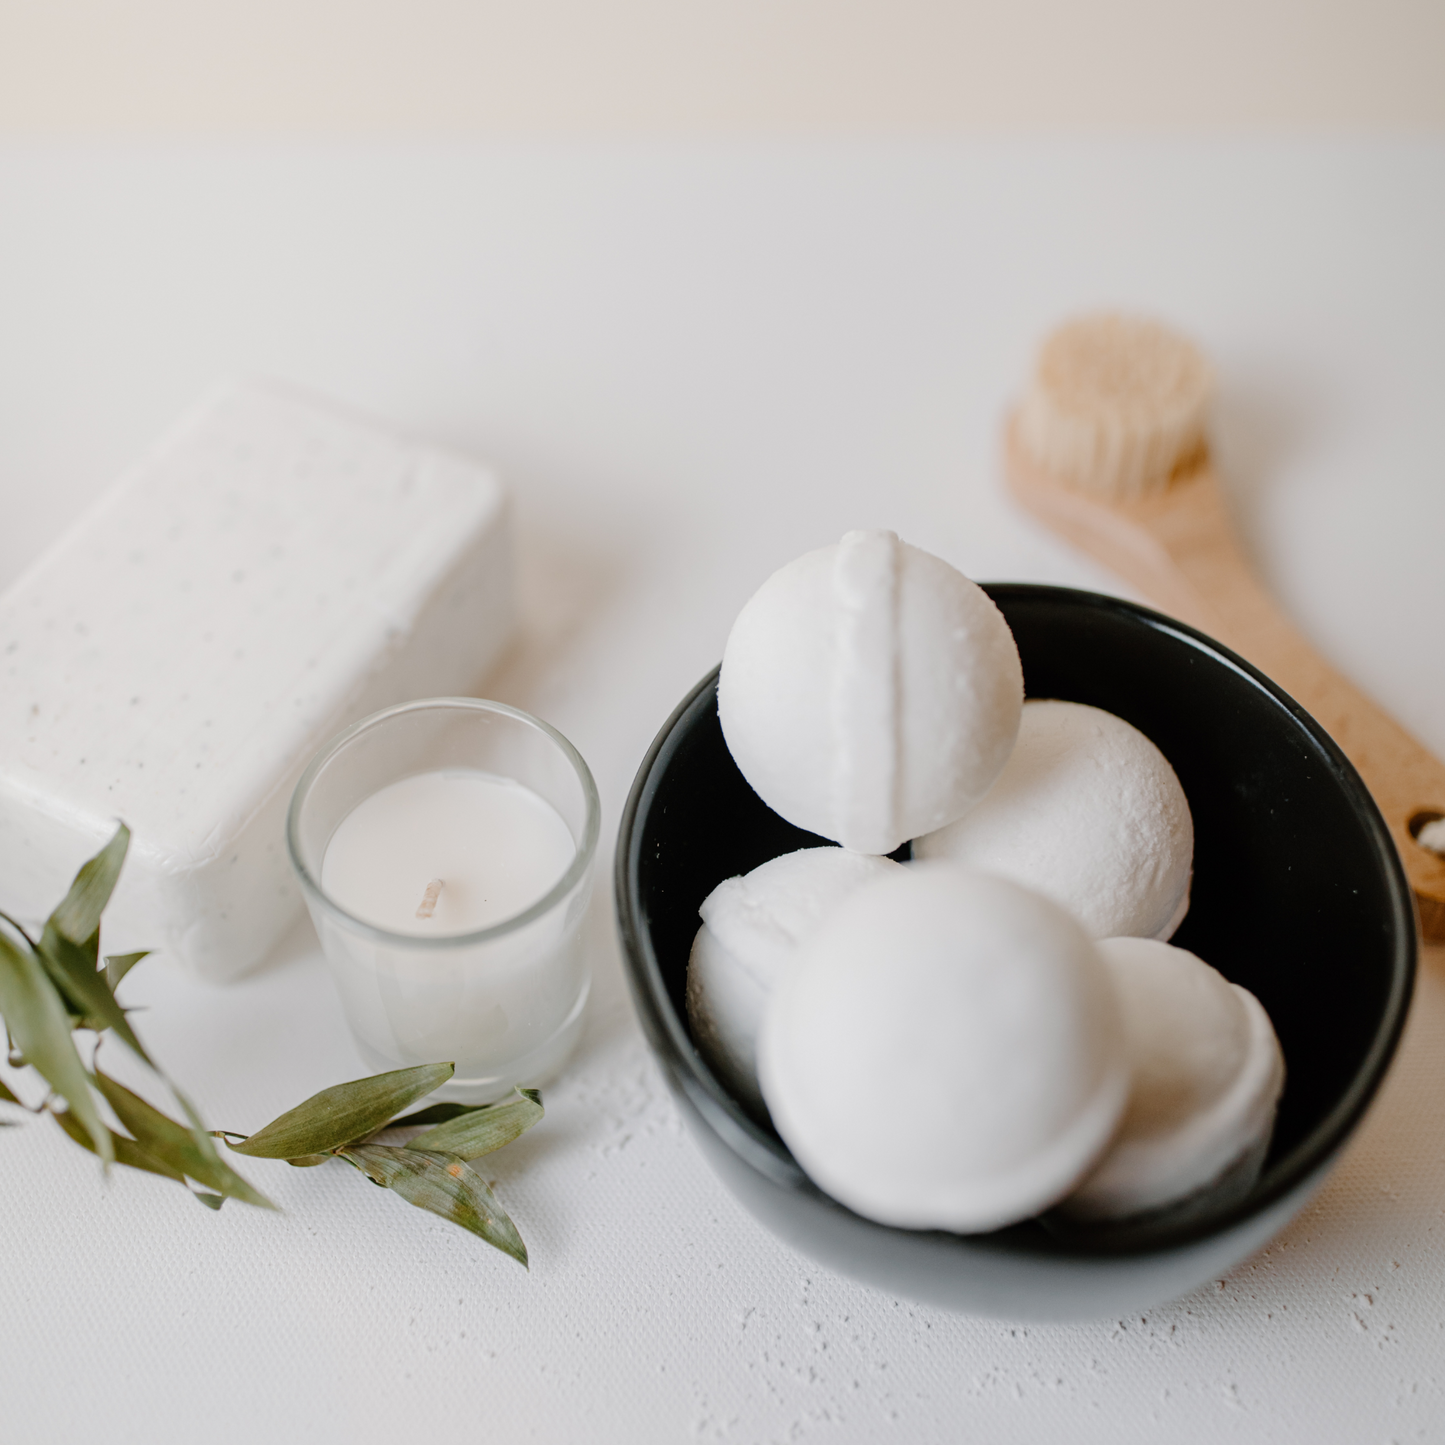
<point>1298,895</point>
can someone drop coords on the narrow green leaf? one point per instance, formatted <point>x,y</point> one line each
<point>444,1185</point>
<point>309,1161</point>
<point>343,1113</point>
<point>435,1114</point>
<point>70,943</point>
<point>484,1129</point>
<point>117,965</point>
<point>72,967</point>
<point>78,916</point>
<point>16,925</point>
<point>40,1027</point>
<point>127,1151</point>
<point>187,1150</point>
<point>236,1187</point>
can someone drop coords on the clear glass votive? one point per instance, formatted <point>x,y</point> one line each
<point>503,998</point>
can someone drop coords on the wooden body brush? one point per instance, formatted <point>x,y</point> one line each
<point>1108,449</point>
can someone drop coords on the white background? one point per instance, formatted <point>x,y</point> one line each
<point>693,361</point>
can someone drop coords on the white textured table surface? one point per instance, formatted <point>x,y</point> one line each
<point>691,364</point>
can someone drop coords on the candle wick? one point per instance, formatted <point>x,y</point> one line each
<point>429,899</point>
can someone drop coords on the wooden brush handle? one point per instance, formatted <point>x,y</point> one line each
<point>1180,549</point>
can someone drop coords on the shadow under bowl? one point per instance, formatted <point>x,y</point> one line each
<point>1298,895</point>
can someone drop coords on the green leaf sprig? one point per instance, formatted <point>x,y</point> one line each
<point>56,984</point>
<point>431,1171</point>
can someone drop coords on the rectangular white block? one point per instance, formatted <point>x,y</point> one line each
<point>275,570</point>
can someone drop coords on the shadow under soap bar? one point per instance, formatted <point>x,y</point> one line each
<point>273,571</point>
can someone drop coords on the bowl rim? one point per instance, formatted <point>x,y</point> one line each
<point>766,1153</point>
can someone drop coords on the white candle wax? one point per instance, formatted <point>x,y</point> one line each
<point>450,902</point>
<point>494,845</point>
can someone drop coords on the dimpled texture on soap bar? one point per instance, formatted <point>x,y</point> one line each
<point>274,570</point>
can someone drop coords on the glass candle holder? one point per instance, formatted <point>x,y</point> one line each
<point>468,808</point>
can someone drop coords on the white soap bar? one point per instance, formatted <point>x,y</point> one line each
<point>273,571</point>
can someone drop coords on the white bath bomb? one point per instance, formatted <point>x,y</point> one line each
<point>946,1052</point>
<point>870,692</point>
<point>1207,1071</point>
<point>1088,811</point>
<point>751,931</point>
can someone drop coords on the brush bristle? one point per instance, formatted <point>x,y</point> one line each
<point>1117,405</point>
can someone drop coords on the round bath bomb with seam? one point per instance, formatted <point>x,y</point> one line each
<point>1088,811</point>
<point>751,931</point>
<point>946,1052</point>
<point>870,692</point>
<point>1208,1072</point>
